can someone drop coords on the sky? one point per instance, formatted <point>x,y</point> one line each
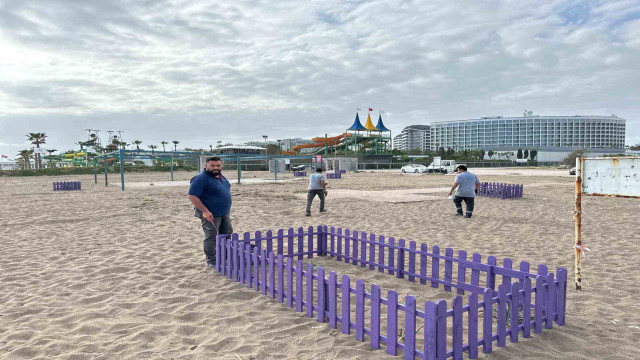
<point>201,71</point>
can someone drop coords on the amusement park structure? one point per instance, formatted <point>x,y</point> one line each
<point>357,140</point>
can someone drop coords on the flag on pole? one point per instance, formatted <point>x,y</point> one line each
<point>4,156</point>
<point>370,109</point>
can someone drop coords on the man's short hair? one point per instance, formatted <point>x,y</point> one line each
<point>319,170</point>
<point>214,158</point>
<point>461,167</point>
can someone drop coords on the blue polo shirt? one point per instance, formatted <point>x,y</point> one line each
<point>215,193</point>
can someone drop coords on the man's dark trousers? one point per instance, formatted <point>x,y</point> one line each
<point>468,201</point>
<point>311,195</point>
<point>220,225</point>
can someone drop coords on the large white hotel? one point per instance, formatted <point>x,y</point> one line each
<point>552,136</point>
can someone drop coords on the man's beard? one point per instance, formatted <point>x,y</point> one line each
<point>213,172</point>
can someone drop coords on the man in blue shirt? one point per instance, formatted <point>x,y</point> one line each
<point>210,194</point>
<point>317,186</point>
<point>467,187</point>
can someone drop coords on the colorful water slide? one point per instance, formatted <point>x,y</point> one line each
<point>322,142</point>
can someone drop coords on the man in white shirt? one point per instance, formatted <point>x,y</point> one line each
<point>317,186</point>
<point>467,187</point>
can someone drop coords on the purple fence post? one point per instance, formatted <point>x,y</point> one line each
<point>435,266</point>
<point>229,257</point>
<point>391,261</point>
<point>491,274</point>
<point>540,300</point>
<point>346,304</point>
<point>502,315</point>
<point>513,321</point>
<point>247,260</point>
<point>322,296</point>
<point>430,318</point>
<point>392,323</point>
<point>290,282</point>
<point>410,327</point>
<point>448,269</point>
<point>347,245</point>
<point>526,308</point>
<point>524,267</point>
<point>360,310</point>
<point>241,266</point>
<point>475,274</point>
<point>423,263</point>
<point>300,243</point>
<point>457,327</point>
<point>263,271</point>
<point>309,290</point>
<point>400,274</point>
<point>269,241</point>
<point>310,243</point>
<point>333,299</point>
<point>473,326</point>
<point>507,264</point>
<point>412,261</point>
<point>441,329</point>
<point>381,253</point>
<point>372,251</point>
<point>354,248</point>
<point>290,235</point>
<point>280,278</point>
<point>487,321</point>
<point>235,253</point>
<point>299,280</point>
<point>333,241</point>
<point>363,249</point>
<point>462,271</point>
<point>280,245</point>
<point>374,336</point>
<point>258,236</point>
<point>256,269</point>
<point>272,276</point>
<point>551,301</point>
<point>218,253</point>
<point>562,295</point>
<point>338,257</point>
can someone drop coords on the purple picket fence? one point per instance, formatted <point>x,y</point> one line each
<point>523,301</point>
<point>67,186</point>
<point>334,175</point>
<point>299,173</point>
<point>500,191</point>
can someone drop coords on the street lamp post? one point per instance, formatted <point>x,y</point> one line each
<point>265,144</point>
<point>279,145</point>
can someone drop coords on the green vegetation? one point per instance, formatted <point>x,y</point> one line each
<point>89,170</point>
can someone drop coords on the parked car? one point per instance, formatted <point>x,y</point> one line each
<point>414,168</point>
<point>572,171</point>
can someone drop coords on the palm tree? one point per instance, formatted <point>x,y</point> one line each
<point>137,142</point>
<point>211,148</point>
<point>175,145</point>
<point>163,144</point>
<point>152,147</point>
<point>37,139</point>
<point>124,145</point>
<point>26,156</point>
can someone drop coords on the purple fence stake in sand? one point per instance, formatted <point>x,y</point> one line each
<point>500,191</point>
<point>480,314</point>
<point>299,173</point>
<point>67,186</point>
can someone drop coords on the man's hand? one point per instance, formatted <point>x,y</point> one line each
<point>207,215</point>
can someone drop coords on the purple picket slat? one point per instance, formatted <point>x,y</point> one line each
<point>374,337</point>
<point>289,282</point>
<point>400,274</point>
<point>392,323</point>
<point>269,241</point>
<point>430,318</point>
<point>462,271</point>
<point>410,327</point>
<point>354,248</point>
<point>309,291</point>
<point>340,238</point>
<point>360,310</point>
<point>507,264</point>
<point>539,305</point>
<point>258,236</point>
<point>322,296</point>
<point>347,245</point>
<point>562,293</point>
<point>412,261</point>
<point>272,276</point>
<point>263,271</point>
<point>475,274</point>
<point>218,253</point>
<point>487,321</point>
<point>524,267</point>
<point>363,249</point>
<point>247,260</point>
<point>448,267</point>
<point>513,321</point>
<point>300,243</point>
<point>280,278</point>
<point>502,315</point>
<point>392,261</point>
<point>310,242</point>
<point>472,320</point>
<point>333,300</point>
<point>381,254</point>
<point>241,266</point>
<point>542,270</point>
<point>441,329</point>
<point>423,263</point>
<point>346,304</point>
<point>551,301</point>
<point>457,327</point>
<point>280,242</point>
<point>290,236</point>
<point>372,252</point>
<point>229,257</point>
<point>435,267</point>
<point>299,281</point>
<point>491,275</point>
<point>234,256</point>
<point>526,308</point>
<point>333,241</point>
<point>256,269</point>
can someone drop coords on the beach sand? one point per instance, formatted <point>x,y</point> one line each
<point>106,274</point>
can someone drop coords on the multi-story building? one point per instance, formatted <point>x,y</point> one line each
<point>413,137</point>
<point>288,144</point>
<point>552,136</point>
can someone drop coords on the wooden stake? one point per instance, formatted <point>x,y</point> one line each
<point>577,217</point>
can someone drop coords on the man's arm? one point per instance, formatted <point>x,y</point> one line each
<point>453,188</point>
<point>200,206</point>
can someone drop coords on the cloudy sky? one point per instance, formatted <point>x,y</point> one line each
<point>200,71</point>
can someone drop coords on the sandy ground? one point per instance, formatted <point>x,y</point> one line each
<point>107,274</point>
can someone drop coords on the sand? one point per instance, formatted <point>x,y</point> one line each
<point>106,274</point>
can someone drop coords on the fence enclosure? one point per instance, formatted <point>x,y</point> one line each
<point>522,302</point>
<point>500,191</point>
